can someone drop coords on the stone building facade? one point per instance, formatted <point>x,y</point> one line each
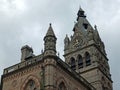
<point>85,68</point>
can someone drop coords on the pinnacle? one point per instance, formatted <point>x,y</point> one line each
<point>95,27</point>
<point>50,24</point>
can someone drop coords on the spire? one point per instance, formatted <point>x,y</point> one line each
<point>50,31</point>
<point>80,13</point>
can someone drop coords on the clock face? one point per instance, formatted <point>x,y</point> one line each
<point>77,42</point>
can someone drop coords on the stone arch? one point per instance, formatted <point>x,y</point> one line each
<point>61,80</point>
<point>73,63</point>
<point>31,77</point>
<point>87,58</point>
<point>61,86</point>
<point>80,61</point>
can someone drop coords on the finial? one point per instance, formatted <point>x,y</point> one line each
<point>50,24</point>
<point>58,54</point>
<point>95,27</point>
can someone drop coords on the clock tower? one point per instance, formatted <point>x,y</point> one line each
<point>85,53</point>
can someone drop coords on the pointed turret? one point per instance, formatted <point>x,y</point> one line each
<point>50,42</point>
<point>66,42</point>
<point>96,33</point>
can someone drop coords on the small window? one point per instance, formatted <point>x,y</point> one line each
<point>87,59</point>
<point>73,66</point>
<point>80,61</point>
<point>85,25</point>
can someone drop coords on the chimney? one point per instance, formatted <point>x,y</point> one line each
<point>26,52</point>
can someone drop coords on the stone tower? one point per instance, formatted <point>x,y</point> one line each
<point>85,53</point>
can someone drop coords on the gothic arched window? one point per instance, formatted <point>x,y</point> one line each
<point>87,59</point>
<point>80,61</point>
<point>30,85</point>
<point>72,62</point>
<point>61,86</point>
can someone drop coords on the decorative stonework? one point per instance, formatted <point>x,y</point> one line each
<point>22,73</point>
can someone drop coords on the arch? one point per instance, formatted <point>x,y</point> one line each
<point>31,80</point>
<point>61,84</point>
<point>87,59</point>
<point>72,63</point>
<point>30,85</point>
<point>80,61</point>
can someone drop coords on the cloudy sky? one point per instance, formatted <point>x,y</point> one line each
<point>26,22</point>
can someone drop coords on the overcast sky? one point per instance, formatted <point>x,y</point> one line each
<point>26,22</point>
